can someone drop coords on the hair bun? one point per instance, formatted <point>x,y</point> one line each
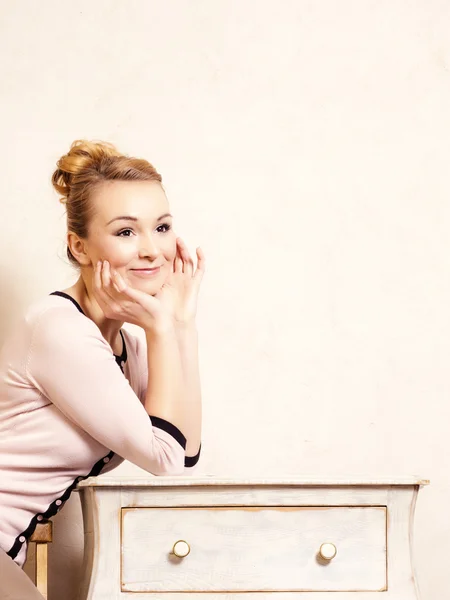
<point>81,156</point>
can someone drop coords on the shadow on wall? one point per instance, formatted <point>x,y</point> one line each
<point>66,551</point>
<point>65,554</point>
<point>23,282</point>
<point>15,296</point>
<point>19,290</point>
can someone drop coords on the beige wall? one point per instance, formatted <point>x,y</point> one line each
<point>305,146</point>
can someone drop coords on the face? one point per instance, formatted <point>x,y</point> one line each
<point>132,229</point>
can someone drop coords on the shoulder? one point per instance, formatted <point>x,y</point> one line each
<point>51,327</point>
<point>53,318</point>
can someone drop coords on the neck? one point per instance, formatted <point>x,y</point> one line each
<point>81,291</point>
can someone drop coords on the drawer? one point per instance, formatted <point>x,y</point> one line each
<point>253,549</point>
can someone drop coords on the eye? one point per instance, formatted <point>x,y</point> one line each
<point>124,232</point>
<point>167,227</point>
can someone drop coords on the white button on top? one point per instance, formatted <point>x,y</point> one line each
<point>106,459</point>
<point>40,517</point>
<point>21,539</point>
<point>58,502</point>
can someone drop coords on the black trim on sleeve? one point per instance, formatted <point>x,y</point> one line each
<point>190,461</point>
<point>169,428</point>
<point>57,504</point>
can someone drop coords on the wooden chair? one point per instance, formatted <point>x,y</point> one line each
<point>42,536</point>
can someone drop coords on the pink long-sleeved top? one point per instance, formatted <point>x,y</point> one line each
<point>71,409</point>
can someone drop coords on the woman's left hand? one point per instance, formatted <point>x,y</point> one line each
<point>180,290</point>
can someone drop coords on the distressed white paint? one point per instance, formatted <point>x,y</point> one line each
<point>162,481</point>
<point>254,549</point>
<point>262,538</point>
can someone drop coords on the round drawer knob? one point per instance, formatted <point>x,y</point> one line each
<point>327,551</point>
<point>181,549</point>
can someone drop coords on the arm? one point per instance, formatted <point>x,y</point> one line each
<point>172,386</point>
<point>186,351</point>
<point>152,361</point>
<point>71,364</point>
<point>164,387</point>
<point>187,337</point>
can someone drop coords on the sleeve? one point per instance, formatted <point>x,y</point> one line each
<point>190,462</point>
<point>71,363</point>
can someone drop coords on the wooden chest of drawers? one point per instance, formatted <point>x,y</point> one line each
<point>185,539</point>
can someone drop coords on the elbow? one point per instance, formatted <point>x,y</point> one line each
<point>168,459</point>
<point>167,449</point>
<point>169,469</point>
<point>174,464</point>
<point>178,470</point>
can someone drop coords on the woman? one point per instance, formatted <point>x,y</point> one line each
<point>78,394</point>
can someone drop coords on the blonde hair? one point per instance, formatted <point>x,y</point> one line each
<point>83,169</point>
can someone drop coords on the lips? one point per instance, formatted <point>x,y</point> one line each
<point>146,269</point>
<point>147,272</point>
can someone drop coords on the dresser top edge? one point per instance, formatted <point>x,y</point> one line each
<point>181,481</point>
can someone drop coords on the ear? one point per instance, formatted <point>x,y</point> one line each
<point>79,248</point>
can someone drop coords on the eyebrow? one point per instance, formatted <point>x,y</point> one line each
<point>134,219</point>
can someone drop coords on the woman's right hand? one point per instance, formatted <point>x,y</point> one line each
<point>121,302</point>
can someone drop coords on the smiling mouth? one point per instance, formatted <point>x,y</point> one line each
<point>146,272</point>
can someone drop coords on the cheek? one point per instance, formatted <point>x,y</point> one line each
<point>118,253</point>
<point>172,247</point>
<point>173,253</point>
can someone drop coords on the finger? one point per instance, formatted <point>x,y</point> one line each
<point>103,299</point>
<point>201,265</point>
<point>107,287</point>
<point>178,265</point>
<point>188,263</point>
<point>98,280</point>
<point>118,281</point>
<point>97,277</point>
<point>106,275</point>
<point>128,295</point>
<point>178,262</point>
<point>137,296</point>
<point>119,296</point>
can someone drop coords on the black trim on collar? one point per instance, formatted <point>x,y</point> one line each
<point>99,465</point>
<point>64,295</point>
<point>119,359</point>
<point>96,469</point>
<point>123,357</point>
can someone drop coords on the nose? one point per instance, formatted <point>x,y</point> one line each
<point>148,248</point>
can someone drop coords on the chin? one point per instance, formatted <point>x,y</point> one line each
<point>149,287</point>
